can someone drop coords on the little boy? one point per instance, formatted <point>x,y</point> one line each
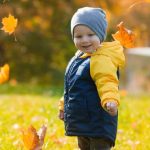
<point>91,96</point>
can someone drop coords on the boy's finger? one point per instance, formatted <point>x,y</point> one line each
<point>61,116</point>
<point>113,112</point>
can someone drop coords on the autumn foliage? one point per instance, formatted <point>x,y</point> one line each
<point>9,24</point>
<point>42,29</point>
<point>32,139</point>
<point>125,36</point>
<point>4,73</point>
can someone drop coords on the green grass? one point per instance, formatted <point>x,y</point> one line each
<point>134,126</point>
<point>21,106</point>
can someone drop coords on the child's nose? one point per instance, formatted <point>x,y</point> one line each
<point>84,39</point>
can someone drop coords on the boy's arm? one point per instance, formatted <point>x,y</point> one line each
<point>104,73</point>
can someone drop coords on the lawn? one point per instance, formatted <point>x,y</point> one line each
<point>24,105</point>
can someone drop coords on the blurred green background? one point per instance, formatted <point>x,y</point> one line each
<point>44,44</point>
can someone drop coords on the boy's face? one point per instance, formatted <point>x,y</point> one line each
<point>85,39</point>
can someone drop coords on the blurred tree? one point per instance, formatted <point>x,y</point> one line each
<point>140,22</point>
<point>2,54</point>
<point>44,43</point>
<point>43,40</point>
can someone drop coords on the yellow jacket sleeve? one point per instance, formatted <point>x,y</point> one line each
<point>61,104</point>
<point>103,69</point>
<point>104,74</point>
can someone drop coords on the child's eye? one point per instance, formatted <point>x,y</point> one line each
<point>90,34</point>
<point>78,36</point>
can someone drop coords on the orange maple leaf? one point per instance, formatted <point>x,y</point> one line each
<point>30,138</point>
<point>9,24</point>
<point>4,73</point>
<point>125,36</point>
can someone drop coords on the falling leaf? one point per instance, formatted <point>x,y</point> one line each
<point>30,138</point>
<point>9,24</point>
<point>125,36</point>
<point>4,73</point>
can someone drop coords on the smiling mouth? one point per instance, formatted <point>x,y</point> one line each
<point>86,46</point>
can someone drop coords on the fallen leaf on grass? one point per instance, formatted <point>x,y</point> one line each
<point>32,139</point>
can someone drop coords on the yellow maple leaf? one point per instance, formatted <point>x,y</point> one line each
<point>9,24</point>
<point>30,138</point>
<point>4,73</point>
<point>125,36</point>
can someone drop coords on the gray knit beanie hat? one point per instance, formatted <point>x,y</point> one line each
<point>94,18</point>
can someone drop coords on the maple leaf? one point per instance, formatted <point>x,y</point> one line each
<point>9,24</point>
<point>32,139</point>
<point>4,73</point>
<point>125,36</point>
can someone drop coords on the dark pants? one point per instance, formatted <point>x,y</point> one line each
<point>87,143</point>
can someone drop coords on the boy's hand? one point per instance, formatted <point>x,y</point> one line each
<point>111,108</point>
<point>61,115</point>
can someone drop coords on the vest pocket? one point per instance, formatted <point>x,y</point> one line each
<point>77,111</point>
<point>78,116</point>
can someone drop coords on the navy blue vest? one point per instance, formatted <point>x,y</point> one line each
<point>83,114</point>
